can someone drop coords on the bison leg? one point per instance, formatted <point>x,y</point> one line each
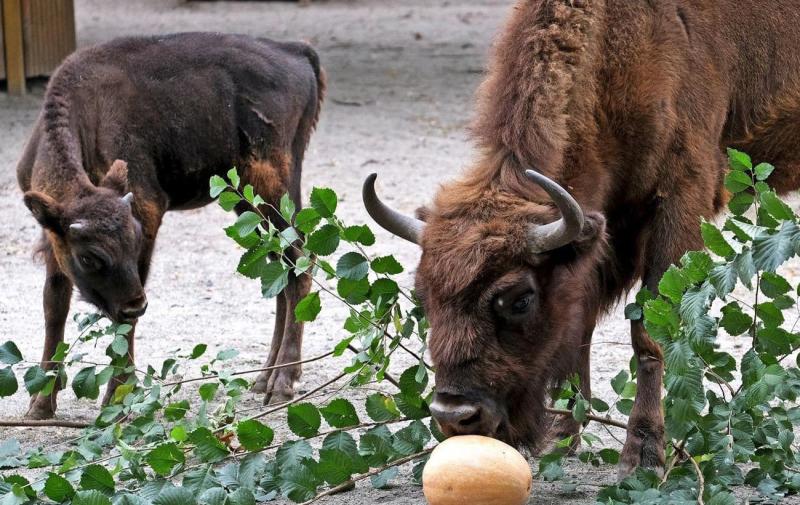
<point>280,386</point>
<point>56,298</point>
<point>262,381</point>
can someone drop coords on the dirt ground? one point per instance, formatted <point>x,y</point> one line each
<point>402,75</point>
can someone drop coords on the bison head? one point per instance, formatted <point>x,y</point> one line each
<point>507,287</point>
<point>96,241</point>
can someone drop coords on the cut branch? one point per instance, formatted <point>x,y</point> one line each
<point>597,419</point>
<point>41,423</point>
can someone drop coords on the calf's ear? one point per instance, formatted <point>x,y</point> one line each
<point>46,210</point>
<point>117,177</point>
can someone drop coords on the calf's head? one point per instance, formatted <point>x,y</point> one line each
<point>506,284</point>
<point>96,241</point>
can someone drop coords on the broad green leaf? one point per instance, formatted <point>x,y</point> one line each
<point>304,419</point>
<point>773,285</point>
<point>97,477</point>
<point>247,222</point>
<point>164,458</point>
<point>85,384</point>
<point>217,185</point>
<point>772,250</point>
<point>287,208</point>
<point>324,241</point>
<point>91,497</point>
<point>213,496</point>
<point>723,278</point>
<point>334,466</point>
<point>9,353</point>
<point>324,201</point>
<point>673,283</point>
<point>381,480</point>
<point>233,176</point>
<point>734,321</point>
<point>298,482</point>
<point>763,171</point>
<point>253,262</point>
<point>175,496</point>
<point>776,207</point>
<point>739,160</point>
<point>35,379</point>
<point>293,452</point>
<point>176,411</point>
<point>381,408</point>
<point>306,220</point>
<point>741,203</point>
<point>354,292</point>
<point>308,308</point>
<point>208,390</point>
<point>737,181</point>
<point>253,435</point>
<point>242,496</point>
<point>198,351</point>
<point>714,240</point>
<point>386,265</point>
<point>229,200</point>
<point>359,234</point>
<point>207,446</point>
<point>633,312</point>
<point>340,413</point>
<point>274,278</point>
<point>200,480</point>
<point>619,381</point>
<point>57,488</point>
<point>352,266</point>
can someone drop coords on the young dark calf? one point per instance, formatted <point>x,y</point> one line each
<point>136,127</point>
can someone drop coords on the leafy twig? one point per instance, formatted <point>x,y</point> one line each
<point>591,417</point>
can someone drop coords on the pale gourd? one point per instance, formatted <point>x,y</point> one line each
<point>475,470</point>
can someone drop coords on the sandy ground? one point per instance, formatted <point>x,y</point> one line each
<point>402,76</point>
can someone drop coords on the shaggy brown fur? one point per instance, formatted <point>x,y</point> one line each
<point>626,103</point>
<point>157,117</point>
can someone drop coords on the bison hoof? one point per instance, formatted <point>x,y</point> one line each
<point>644,450</point>
<point>261,383</point>
<point>41,407</point>
<point>280,387</point>
<point>567,427</point>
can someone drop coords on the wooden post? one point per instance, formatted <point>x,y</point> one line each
<point>12,33</point>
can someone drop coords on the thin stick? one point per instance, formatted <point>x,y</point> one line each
<point>254,370</point>
<point>346,484</point>
<point>700,480</point>
<point>40,423</point>
<point>602,420</point>
<point>296,400</point>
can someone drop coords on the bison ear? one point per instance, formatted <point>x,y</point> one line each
<point>117,177</point>
<point>594,230</point>
<point>422,213</point>
<point>46,210</point>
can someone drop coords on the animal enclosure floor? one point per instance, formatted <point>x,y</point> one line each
<point>402,75</point>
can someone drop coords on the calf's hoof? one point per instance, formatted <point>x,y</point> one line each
<point>41,407</point>
<point>567,427</point>
<point>642,449</point>
<point>261,383</point>
<point>280,387</point>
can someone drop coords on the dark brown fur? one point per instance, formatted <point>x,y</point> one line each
<point>627,105</point>
<point>158,116</point>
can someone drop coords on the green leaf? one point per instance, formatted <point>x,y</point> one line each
<point>381,480</point>
<point>737,181</point>
<point>233,176</point>
<point>723,278</point>
<point>274,279</point>
<point>412,438</point>
<point>340,413</point>
<point>198,351</point>
<point>304,419</point>
<point>298,483</point>
<point>214,496</point>
<point>763,171</point>
<point>739,160</point>
<point>229,200</point>
<point>207,446</point>
<point>619,381</point>
<point>359,234</point>
<point>386,265</point>
<point>175,496</point>
<point>85,384</point>
<point>293,452</point>
<point>334,466</point>
<point>242,496</point>
<point>57,488</point>
<point>773,285</point>
<point>324,241</point>
<point>247,222</point>
<point>776,207</point>
<point>217,185</point>
<point>769,314</point>
<point>673,283</point>
<point>308,308</point>
<point>208,390</point>
<point>354,292</point>
<point>92,497</point>
<point>35,379</point>
<point>306,220</point>
<point>324,201</point>
<point>97,477</point>
<point>254,435</point>
<point>633,312</point>
<point>741,203</point>
<point>164,458</point>
<point>381,408</point>
<point>176,411</point>
<point>772,250</point>
<point>287,208</point>
<point>253,262</point>
<point>9,353</point>
<point>714,240</point>
<point>199,481</point>
<point>734,321</point>
<point>352,266</point>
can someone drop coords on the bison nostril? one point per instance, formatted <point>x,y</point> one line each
<point>135,308</point>
<point>473,419</point>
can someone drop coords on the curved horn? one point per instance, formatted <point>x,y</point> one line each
<point>542,238</point>
<point>77,225</point>
<point>392,221</point>
<point>128,198</point>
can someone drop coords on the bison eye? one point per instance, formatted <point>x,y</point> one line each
<point>520,306</point>
<point>89,262</point>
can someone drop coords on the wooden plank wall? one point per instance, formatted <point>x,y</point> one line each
<point>12,40</point>
<point>2,52</point>
<point>49,31</point>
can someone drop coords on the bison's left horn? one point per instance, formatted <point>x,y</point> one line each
<point>128,198</point>
<point>542,238</point>
<point>392,221</point>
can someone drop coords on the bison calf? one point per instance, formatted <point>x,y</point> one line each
<point>136,127</point>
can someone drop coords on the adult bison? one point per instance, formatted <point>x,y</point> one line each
<point>625,104</point>
<point>136,127</point>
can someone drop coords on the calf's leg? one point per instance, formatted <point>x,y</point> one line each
<point>56,299</point>
<point>260,385</point>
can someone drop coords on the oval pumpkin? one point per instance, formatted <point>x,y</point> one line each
<point>476,470</point>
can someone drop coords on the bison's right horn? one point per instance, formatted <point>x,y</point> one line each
<point>392,221</point>
<point>546,237</point>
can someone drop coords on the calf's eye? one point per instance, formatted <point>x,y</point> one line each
<point>88,262</point>
<point>521,305</point>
